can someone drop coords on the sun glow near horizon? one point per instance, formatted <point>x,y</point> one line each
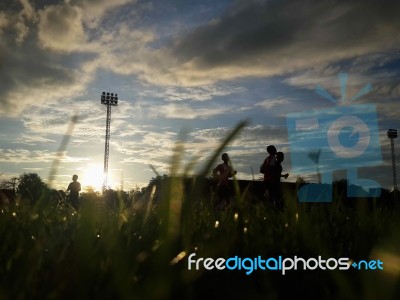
<point>93,177</point>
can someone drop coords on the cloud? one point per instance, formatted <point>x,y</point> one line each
<point>379,70</point>
<point>203,93</point>
<point>38,156</point>
<point>156,147</point>
<point>60,28</point>
<point>388,113</point>
<point>247,149</point>
<point>29,76</point>
<point>264,38</point>
<point>31,140</point>
<point>273,103</point>
<point>4,21</point>
<point>18,22</point>
<point>60,47</point>
<point>95,10</point>
<point>39,48</point>
<point>66,27</point>
<point>255,38</point>
<point>26,15</point>
<point>255,137</point>
<point>184,111</point>
<point>371,68</point>
<point>153,147</point>
<point>46,121</point>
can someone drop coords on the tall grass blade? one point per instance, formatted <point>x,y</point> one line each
<point>61,150</point>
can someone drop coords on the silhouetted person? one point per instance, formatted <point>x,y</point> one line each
<point>74,188</point>
<point>276,188</point>
<point>269,171</point>
<point>222,173</point>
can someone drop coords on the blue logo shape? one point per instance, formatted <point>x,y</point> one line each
<point>342,137</point>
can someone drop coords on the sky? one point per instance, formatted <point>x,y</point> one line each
<point>189,71</point>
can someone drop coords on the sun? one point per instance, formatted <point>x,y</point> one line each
<point>93,177</point>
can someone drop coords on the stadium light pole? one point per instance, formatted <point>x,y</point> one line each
<point>392,134</point>
<point>107,99</point>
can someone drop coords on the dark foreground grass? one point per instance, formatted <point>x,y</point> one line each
<point>53,252</point>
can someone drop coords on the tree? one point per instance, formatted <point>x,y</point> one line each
<point>31,187</point>
<point>9,184</point>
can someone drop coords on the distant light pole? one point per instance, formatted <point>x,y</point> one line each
<point>392,134</point>
<point>108,99</point>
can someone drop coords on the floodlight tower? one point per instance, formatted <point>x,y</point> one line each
<point>392,134</point>
<point>108,99</point>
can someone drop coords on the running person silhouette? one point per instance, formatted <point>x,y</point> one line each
<point>222,173</point>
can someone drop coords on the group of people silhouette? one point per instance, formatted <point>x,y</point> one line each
<point>271,168</point>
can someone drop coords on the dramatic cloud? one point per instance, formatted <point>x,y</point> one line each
<point>37,51</point>
<point>61,28</point>
<point>29,76</point>
<point>262,38</point>
<point>250,39</point>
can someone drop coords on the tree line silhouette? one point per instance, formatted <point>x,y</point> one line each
<point>29,188</point>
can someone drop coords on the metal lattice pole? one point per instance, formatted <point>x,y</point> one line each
<point>108,100</point>
<point>393,165</point>
<point>107,146</point>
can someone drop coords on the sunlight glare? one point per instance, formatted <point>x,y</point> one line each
<point>93,177</point>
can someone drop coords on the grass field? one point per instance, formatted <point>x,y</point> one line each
<point>54,252</point>
<point>51,251</point>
